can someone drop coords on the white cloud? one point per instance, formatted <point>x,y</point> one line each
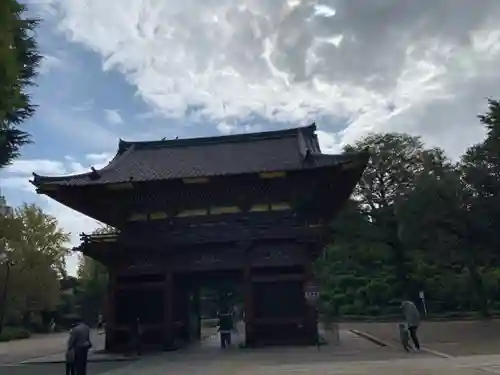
<point>50,62</point>
<point>102,158</point>
<point>17,183</point>
<point>328,142</point>
<point>423,67</point>
<point>40,166</point>
<point>418,66</point>
<point>113,116</point>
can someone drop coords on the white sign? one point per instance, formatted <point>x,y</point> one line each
<point>421,294</point>
<point>311,293</point>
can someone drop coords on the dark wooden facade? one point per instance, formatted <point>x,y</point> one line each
<point>253,209</point>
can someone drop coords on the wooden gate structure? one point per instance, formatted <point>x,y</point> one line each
<point>254,208</point>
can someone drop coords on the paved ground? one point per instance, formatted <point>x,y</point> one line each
<point>208,358</point>
<point>354,356</point>
<point>475,365</point>
<point>460,338</point>
<point>14,352</point>
<point>54,369</point>
<point>409,366</point>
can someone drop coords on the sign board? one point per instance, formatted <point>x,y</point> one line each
<point>311,293</point>
<point>422,297</point>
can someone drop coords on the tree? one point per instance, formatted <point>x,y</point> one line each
<point>445,223</point>
<point>354,267</point>
<point>417,221</point>
<point>480,201</point>
<point>88,268</point>
<point>19,59</point>
<point>93,278</point>
<point>397,162</point>
<point>37,248</point>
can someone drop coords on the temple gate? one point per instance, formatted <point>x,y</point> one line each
<point>251,208</point>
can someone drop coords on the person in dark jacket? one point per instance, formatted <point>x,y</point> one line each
<point>70,357</point>
<point>79,342</point>
<point>225,326</point>
<point>412,318</point>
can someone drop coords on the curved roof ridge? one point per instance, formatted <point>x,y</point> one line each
<point>200,141</point>
<point>38,179</point>
<point>174,159</point>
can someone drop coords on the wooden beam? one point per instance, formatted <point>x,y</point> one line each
<point>277,277</point>
<point>280,321</point>
<point>168,313</point>
<point>120,186</point>
<point>47,187</point>
<point>196,180</point>
<point>311,316</point>
<point>248,297</point>
<point>269,175</point>
<point>110,311</point>
<point>139,286</point>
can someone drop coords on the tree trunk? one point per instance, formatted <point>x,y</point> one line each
<point>480,298</point>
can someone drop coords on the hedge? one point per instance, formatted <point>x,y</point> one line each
<point>14,333</point>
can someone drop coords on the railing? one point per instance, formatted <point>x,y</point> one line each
<point>102,237</point>
<point>204,232</point>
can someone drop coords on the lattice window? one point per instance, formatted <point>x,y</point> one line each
<point>280,206</point>
<point>138,217</point>
<point>193,212</point>
<point>259,207</point>
<point>159,215</point>
<point>219,210</point>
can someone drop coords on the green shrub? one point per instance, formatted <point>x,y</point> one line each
<point>373,310</point>
<point>348,310</point>
<point>14,333</point>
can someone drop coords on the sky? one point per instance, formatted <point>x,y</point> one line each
<point>152,69</point>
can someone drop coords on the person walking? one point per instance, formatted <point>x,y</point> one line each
<point>79,342</point>
<point>225,326</point>
<point>70,357</point>
<point>136,336</point>
<point>412,318</point>
<point>100,324</point>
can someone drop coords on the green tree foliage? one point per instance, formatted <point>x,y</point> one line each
<point>416,222</point>
<point>19,59</point>
<point>36,247</point>
<point>93,280</point>
<point>398,162</point>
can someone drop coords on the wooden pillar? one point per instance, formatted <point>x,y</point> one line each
<point>249,299</point>
<point>311,318</point>
<point>110,310</point>
<point>197,307</point>
<point>168,316</point>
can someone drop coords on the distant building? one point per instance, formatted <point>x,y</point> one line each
<point>5,209</point>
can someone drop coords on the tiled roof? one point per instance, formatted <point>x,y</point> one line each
<point>284,150</point>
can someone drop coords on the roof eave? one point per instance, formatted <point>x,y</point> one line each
<point>39,180</point>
